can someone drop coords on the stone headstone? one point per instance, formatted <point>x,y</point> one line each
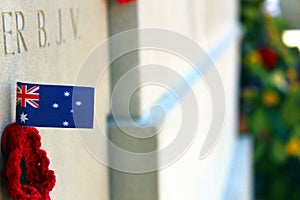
<point>47,42</point>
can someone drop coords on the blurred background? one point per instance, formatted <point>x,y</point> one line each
<point>253,45</point>
<point>270,94</point>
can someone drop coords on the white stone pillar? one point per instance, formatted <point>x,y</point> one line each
<point>128,185</point>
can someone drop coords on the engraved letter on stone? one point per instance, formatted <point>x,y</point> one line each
<point>74,21</point>
<point>41,29</point>
<point>20,23</point>
<point>6,31</point>
<point>59,41</point>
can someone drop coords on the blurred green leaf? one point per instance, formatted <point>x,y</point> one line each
<point>290,109</point>
<point>259,122</point>
<point>278,152</point>
<point>259,152</point>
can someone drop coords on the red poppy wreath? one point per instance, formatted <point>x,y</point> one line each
<point>26,174</point>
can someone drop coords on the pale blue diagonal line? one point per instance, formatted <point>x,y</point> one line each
<point>167,102</point>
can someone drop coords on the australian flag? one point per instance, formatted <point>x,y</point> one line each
<point>54,106</point>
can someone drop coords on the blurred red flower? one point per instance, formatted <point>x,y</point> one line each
<point>269,57</point>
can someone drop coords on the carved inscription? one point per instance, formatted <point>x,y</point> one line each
<point>16,32</point>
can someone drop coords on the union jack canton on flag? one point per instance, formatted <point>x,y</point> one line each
<point>54,106</point>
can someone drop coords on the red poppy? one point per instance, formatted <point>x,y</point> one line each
<point>269,57</point>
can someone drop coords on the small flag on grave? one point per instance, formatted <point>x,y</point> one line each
<point>54,106</point>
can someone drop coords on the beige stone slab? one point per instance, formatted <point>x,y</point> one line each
<point>46,42</point>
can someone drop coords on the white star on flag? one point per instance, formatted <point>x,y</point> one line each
<point>55,105</point>
<point>67,94</point>
<point>23,117</point>
<point>78,103</point>
<point>65,123</point>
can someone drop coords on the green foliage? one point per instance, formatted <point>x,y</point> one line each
<point>270,103</point>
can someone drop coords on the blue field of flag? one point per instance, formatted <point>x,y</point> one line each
<point>54,106</point>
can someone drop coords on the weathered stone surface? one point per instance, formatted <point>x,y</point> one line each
<point>46,42</point>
